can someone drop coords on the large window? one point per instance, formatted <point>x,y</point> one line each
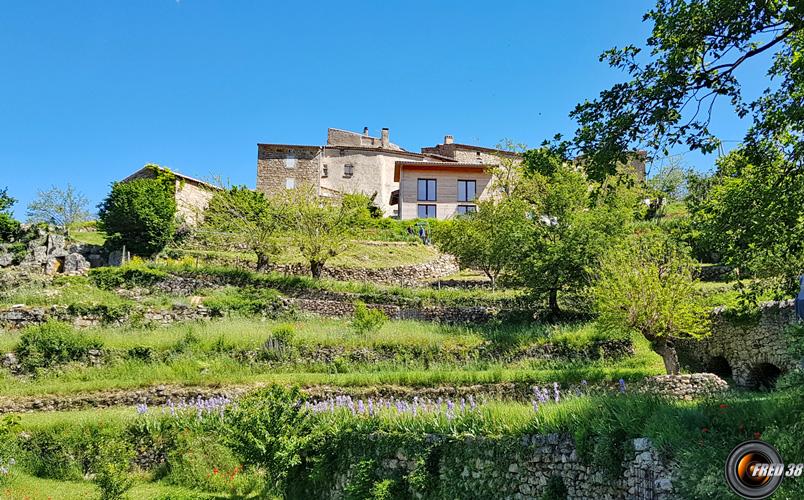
<point>465,209</point>
<point>467,190</point>
<point>426,211</point>
<point>426,190</point>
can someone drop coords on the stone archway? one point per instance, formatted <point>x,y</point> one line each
<point>763,376</point>
<point>720,366</point>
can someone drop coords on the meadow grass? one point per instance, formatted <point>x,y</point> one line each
<point>24,486</point>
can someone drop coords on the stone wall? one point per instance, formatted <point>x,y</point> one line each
<point>684,387</point>
<point>745,347</point>
<point>21,316</point>
<point>520,468</point>
<point>277,163</point>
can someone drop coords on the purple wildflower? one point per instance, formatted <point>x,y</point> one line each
<point>622,386</point>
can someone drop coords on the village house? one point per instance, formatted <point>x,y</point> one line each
<point>192,195</point>
<point>351,162</point>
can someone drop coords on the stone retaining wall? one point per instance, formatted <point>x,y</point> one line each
<point>21,316</point>
<point>521,468</point>
<point>684,387</point>
<point>745,347</point>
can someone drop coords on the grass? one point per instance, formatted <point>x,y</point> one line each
<point>28,487</point>
<point>359,254</point>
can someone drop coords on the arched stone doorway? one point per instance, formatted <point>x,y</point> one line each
<point>720,366</point>
<point>763,376</point>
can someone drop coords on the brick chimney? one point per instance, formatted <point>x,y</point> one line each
<point>384,138</point>
<point>448,139</point>
<point>365,131</point>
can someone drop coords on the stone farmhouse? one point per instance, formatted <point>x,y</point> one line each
<point>192,195</point>
<point>438,182</point>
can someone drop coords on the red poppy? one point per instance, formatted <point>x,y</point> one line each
<point>705,429</point>
<point>215,470</point>
<point>757,435</point>
<point>723,405</point>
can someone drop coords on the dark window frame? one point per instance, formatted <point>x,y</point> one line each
<point>351,170</point>
<point>466,209</point>
<point>427,192</point>
<point>463,195</point>
<point>427,207</point>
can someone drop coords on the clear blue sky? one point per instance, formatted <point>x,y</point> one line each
<point>93,90</point>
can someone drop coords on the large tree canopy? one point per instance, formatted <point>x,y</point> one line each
<point>691,61</point>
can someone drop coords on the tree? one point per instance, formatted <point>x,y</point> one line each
<point>670,181</point>
<point>140,214</point>
<point>505,176</point>
<point>751,216</point>
<point>243,216</point>
<point>490,239</point>
<point>572,225</point>
<point>59,207</point>
<point>318,226</point>
<point>694,52</point>
<point>648,284</point>
<point>9,227</point>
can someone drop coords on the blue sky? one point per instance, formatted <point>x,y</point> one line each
<point>93,90</point>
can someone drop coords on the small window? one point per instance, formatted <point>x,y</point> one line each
<point>426,211</point>
<point>290,162</point>
<point>426,190</point>
<point>465,209</point>
<point>348,170</point>
<point>467,190</point>
<point>325,171</point>
<point>290,183</point>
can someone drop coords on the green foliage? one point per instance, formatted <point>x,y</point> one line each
<point>555,489</point>
<point>572,225</point>
<point>59,207</point>
<point>247,301</point>
<point>112,467</point>
<point>367,320</point>
<point>133,274</point>
<point>750,216</point>
<point>9,228</point>
<point>648,285</point>
<point>241,215</point>
<point>689,62</point>
<point>53,343</point>
<point>271,428</point>
<point>490,239</point>
<point>140,214</point>
<point>318,227</point>
<point>201,462</point>
<point>284,333</point>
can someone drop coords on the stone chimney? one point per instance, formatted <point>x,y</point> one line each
<point>365,131</point>
<point>384,142</point>
<point>448,139</point>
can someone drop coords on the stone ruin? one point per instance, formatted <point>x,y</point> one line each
<point>51,254</point>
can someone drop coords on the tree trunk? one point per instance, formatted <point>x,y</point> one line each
<point>262,262</point>
<point>665,349</point>
<point>552,302</point>
<point>316,267</point>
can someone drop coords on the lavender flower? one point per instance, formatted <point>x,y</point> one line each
<point>556,392</point>
<point>622,386</point>
<point>142,408</point>
<point>535,405</point>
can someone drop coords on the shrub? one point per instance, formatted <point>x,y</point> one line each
<point>202,462</point>
<point>273,429</point>
<point>284,333</point>
<point>53,343</point>
<point>247,301</point>
<point>140,214</point>
<point>366,321</point>
<point>9,228</point>
<point>133,274</point>
<point>112,466</point>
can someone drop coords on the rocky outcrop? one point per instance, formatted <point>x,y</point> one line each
<point>21,316</point>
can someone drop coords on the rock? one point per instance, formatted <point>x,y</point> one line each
<point>75,263</point>
<point>513,468</point>
<point>6,259</point>
<point>642,444</point>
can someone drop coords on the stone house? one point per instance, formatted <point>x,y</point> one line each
<point>192,195</point>
<point>351,162</point>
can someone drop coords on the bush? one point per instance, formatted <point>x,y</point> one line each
<point>112,466</point>
<point>130,275</point>
<point>247,301</point>
<point>9,228</point>
<point>366,321</point>
<point>202,462</point>
<point>272,429</point>
<point>140,214</point>
<point>53,343</point>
